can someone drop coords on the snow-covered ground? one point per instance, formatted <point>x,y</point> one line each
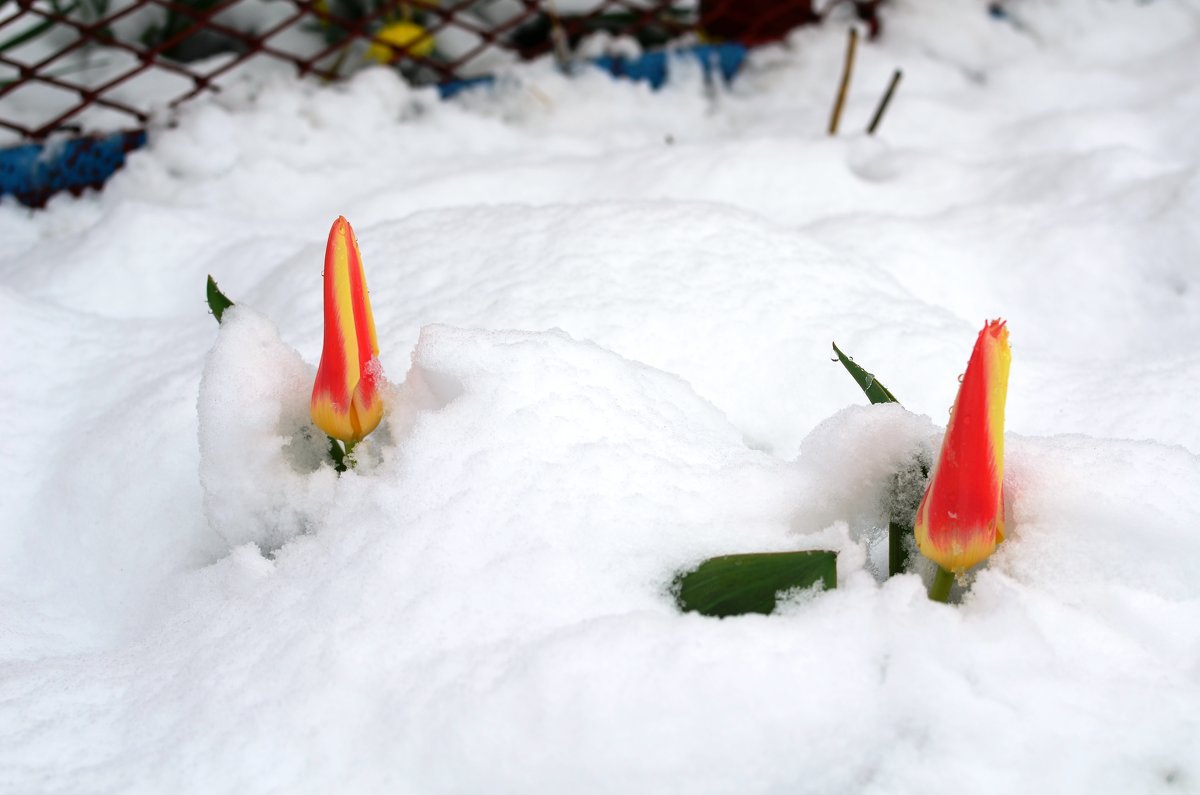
<point>605,314</point>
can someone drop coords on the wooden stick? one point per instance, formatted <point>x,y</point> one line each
<point>883,103</point>
<point>836,117</point>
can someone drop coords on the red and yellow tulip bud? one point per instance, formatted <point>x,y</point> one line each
<point>961,517</point>
<point>346,403</point>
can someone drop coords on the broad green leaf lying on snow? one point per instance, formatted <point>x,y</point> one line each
<point>732,585</point>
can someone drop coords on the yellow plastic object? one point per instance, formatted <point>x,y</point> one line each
<point>402,36</point>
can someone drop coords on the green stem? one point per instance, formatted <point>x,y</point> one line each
<point>897,551</point>
<point>940,590</point>
<point>338,455</point>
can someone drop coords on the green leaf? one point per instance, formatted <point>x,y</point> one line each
<point>733,585</point>
<point>39,29</point>
<point>898,532</point>
<point>29,35</point>
<point>875,391</point>
<point>900,528</point>
<point>908,487</point>
<point>217,301</point>
<point>338,455</point>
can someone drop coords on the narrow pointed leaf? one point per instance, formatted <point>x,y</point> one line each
<point>900,527</point>
<point>733,585</point>
<point>875,391</point>
<point>217,300</point>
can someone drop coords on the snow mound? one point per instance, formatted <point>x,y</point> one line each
<point>260,457</point>
<point>605,314</point>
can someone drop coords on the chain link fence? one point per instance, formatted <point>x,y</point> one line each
<point>80,79</point>
<point>87,65</point>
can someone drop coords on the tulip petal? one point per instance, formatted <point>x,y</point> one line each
<point>961,517</point>
<point>345,400</point>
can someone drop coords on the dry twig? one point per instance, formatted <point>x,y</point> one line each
<point>883,102</point>
<point>836,116</point>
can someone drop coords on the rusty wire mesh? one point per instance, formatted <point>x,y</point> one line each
<point>108,64</point>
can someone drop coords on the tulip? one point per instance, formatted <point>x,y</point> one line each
<point>346,403</point>
<point>961,517</point>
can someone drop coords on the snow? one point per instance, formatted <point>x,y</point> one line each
<point>604,315</point>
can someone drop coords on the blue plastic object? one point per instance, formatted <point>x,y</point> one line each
<point>452,87</point>
<point>651,67</point>
<point>34,172</point>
